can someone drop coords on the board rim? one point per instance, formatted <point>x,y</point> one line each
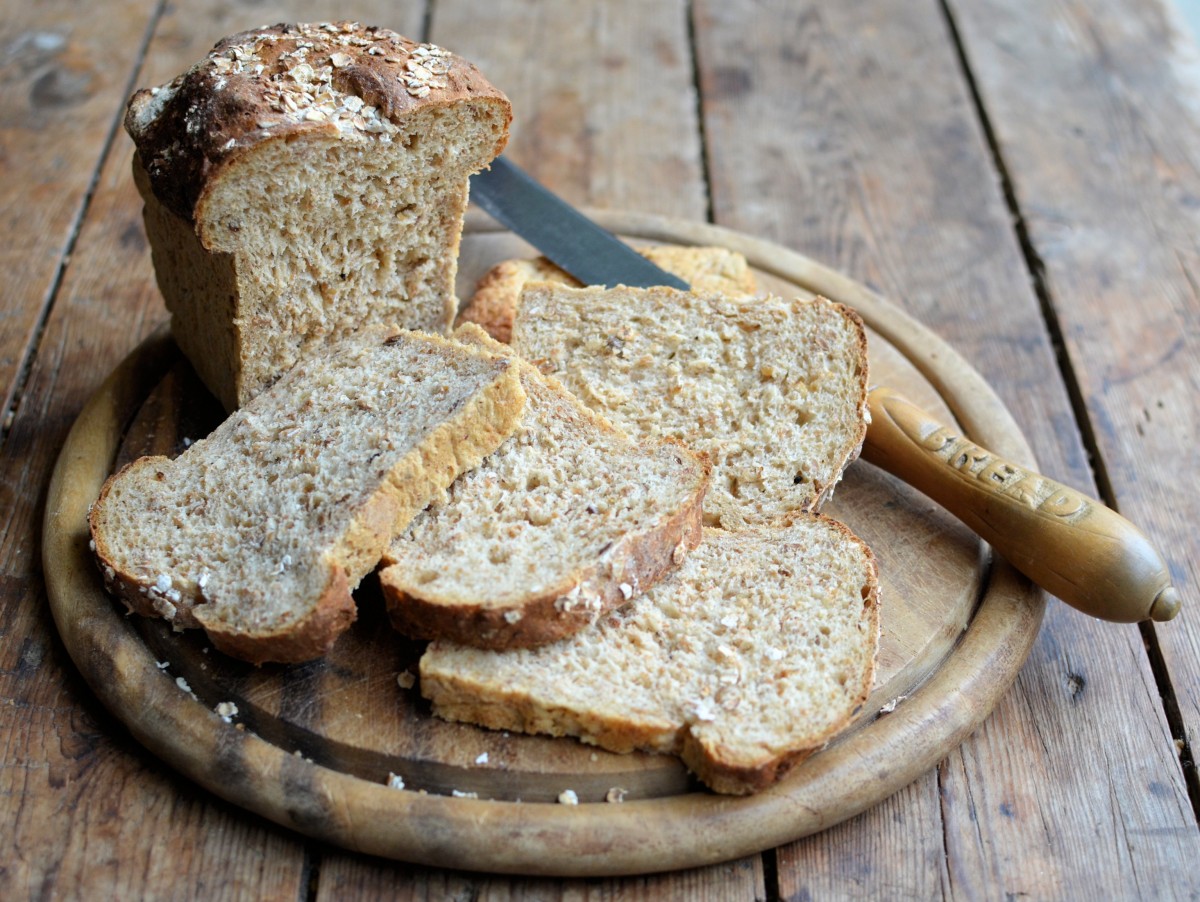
<point>534,838</point>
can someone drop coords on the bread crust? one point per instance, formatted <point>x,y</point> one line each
<point>188,131</point>
<point>640,559</point>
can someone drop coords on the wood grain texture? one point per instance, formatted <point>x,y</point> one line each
<point>861,117</point>
<point>1105,166</point>
<point>70,776</point>
<point>64,82</point>
<point>604,109</point>
<point>343,877</point>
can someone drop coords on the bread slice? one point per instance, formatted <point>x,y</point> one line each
<point>303,180</point>
<point>567,520</point>
<point>774,391</point>
<point>497,294</point>
<point>744,661</point>
<point>259,533</point>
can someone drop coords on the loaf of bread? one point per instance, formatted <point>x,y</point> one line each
<point>567,520</point>
<point>773,391</point>
<point>706,269</point>
<point>743,661</point>
<point>259,533</point>
<point>303,180</point>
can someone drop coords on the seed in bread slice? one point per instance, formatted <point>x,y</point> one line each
<point>303,180</point>
<point>497,294</point>
<point>259,533</point>
<point>744,661</point>
<point>773,391</point>
<point>568,519</point>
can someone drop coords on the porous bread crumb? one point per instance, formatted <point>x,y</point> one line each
<point>661,363</point>
<point>405,680</point>
<point>482,758</point>
<point>663,674</point>
<point>460,794</point>
<point>567,519</point>
<point>568,797</point>
<point>395,781</point>
<point>306,478</point>
<point>298,185</point>
<point>616,794</point>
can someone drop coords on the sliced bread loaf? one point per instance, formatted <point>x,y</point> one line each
<point>743,661</point>
<point>494,303</point>
<point>259,533</point>
<point>567,520</point>
<point>773,391</point>
<point>303,180</point>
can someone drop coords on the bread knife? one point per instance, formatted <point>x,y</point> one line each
<point>1071,545</point>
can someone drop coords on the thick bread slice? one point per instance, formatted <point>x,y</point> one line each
<point>497,294</point>
<point>259,533</point>
<point>744,661</point>
<point>303,180</point>
<point>567,520</point>
<point>774,391</point>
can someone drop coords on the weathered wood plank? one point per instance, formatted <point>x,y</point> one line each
<point>861,858</point>
<point>91,814</point>
<point>1101,137</point>
<point>604,107</point>
<point>64,84</point>
<point>345,877</point>
<point>848,132</point>
<point>1111,210</point>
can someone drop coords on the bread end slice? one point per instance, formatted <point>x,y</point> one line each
<point>497,294</point>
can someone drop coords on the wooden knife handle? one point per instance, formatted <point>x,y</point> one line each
<point>1071,545</point>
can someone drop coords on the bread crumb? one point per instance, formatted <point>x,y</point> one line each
<point>405,680</point>
<point>227,711</point>
<point>395,781</point>
<point>459,794</point>
<point>705,709</point>
<point>183,684</point>
<point>568,797</point>
<point>889,707</point>
<point>482,759</point>
<point>512,616</point>
<point>626,590</point>
<point>616,794</point>
<point>162,665</point>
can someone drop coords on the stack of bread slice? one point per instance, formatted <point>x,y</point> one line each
<point>538,499</point>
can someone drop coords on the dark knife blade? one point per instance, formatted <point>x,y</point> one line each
<point>590,253</point>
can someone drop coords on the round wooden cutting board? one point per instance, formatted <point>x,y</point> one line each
<point>315,746</point>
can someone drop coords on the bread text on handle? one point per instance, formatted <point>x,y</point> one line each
<point>1071,545</point>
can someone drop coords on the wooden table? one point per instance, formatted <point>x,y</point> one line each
<point>1022,177</point>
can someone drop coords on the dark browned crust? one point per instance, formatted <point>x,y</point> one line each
<point>307,640</point>
<point>212,117</point>
<point>638,560</point>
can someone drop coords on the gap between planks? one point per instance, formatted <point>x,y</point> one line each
<point>1036,271</point>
